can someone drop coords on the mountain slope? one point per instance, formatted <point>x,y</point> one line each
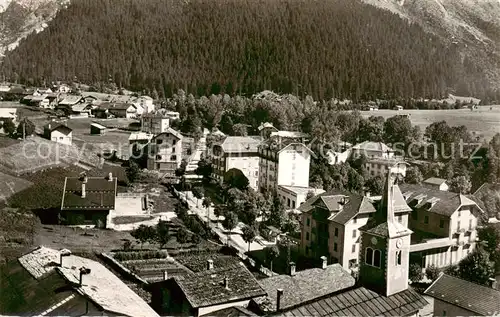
<point>325,48</point>
<point>471,25</point>
<point>19,18</point>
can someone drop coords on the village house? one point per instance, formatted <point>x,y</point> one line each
<point>381,166</point>
<point>62,88</point>
<point>205,292</point>
<point>372,150</point>
<point>457,297</point>
<point>437,183</point>
<point>382,286</point>
<point>154,123</point>
<point>145,103</point>
<point>88,200</point>
<point>265,130</point>
<point>118,110</point>
<point>49,282</point>
<point>164,152</point>
<point>58,132</point>
<point>237,152</point>
<point>444,225</point>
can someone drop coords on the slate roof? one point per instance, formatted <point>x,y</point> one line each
<point>305,286</point>
<point>477,298</point>
<point>435,181</point>
<point>38,282</point>
<point>22,294</point>
<point>445,203</point>
<point>100,194</point>
<point>362,302</point>
<point>206,288</point>
<point>356,204</point>
<point>53,126</point>
<point>240,144</point>
<point>70,100</point>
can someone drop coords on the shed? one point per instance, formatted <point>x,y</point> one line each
<point>96,128</point>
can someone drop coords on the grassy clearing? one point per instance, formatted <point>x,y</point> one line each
<point>17,232</point>
<point>5,141</point>
<point>482,120</point>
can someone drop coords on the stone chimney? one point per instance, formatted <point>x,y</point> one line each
<point>492,282</point>
<point>83,271</point>
<point>63,253</point>
<point>110,177</point>
<point>226,283</point>
<point>292,269</point>
<point>210,264</point>
<point>279,294</point>
<point>324,262</point>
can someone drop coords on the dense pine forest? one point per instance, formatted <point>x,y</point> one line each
<point>324,48</point>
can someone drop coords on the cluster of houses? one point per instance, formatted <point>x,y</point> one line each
<point>56,282</point>
<point>86,104</point>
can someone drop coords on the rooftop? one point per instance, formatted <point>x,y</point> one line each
<point>206,288</point>
<point>175,133</point>
<point>63,128</point>
<point>372,146</point>
<point>435,200</point>
<point>289,134</point>
<point>233,311</point>
<point>98,126</point>
<point>8,112</point>
<point>115,106</point>
<point>100,193</point>
<point>362,302</point>
<point>135,136</point>
<point>240,144</point>
<point>70,100</point>
<point>304,286</point>
<point>100,286</point>
<point>331,201</point>
<point>476,298</point>
<point>302,190</point>
<point>435,181</point>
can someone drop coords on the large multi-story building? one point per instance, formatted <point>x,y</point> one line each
<point>164,152</point>
<point>284,165</point>
<point>237,152</point>
<point>331,223</point>
<point>444,225</point>
<point>154,123</point>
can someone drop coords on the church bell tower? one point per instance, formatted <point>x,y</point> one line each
<point>385,248</point>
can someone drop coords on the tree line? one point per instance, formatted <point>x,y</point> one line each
<point>325,48</point>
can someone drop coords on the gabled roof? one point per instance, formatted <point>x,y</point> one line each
<point>175,133</point>
<point>115,106</point>
<point>98,126</point>
<point>266,125</point>
<point>206,288</point>
<point>100,194</point>
<point>304,286</point>
<point>101,286</point>
<point>446,204</point>
<point>61,127</point>
<point>240,144</point>
<point>136,136</point>
<point>70,100</point>
<point>362,302</point>
<point>479,299</point>
<point>356,204</point>
<point>435,181</point>
<point>294,145</point>
<point>372,146</point>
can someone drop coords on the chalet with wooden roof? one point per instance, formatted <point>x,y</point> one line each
<point>58,132</point>
<point>88,200</point>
